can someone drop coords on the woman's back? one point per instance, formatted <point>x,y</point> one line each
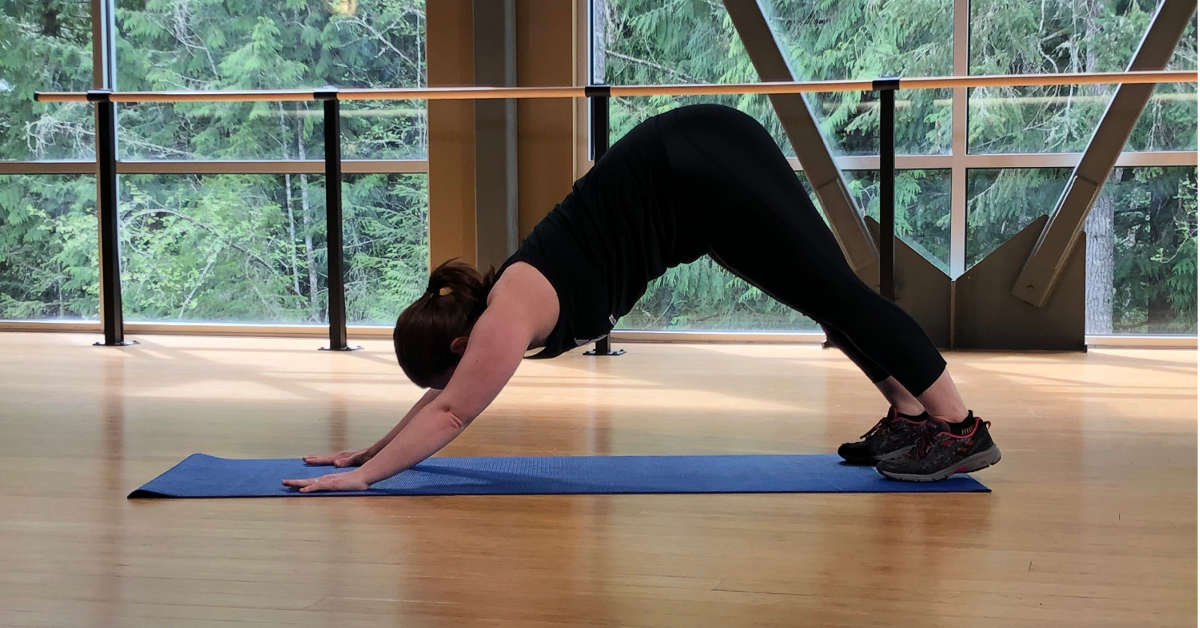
<point>615,232</point>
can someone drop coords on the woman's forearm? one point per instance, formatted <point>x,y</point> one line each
<point>425,400</point>
<point>430,430</point>
<point>497,344</point>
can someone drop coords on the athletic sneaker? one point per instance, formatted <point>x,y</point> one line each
<point>892,437</point>
<point>942,452</point>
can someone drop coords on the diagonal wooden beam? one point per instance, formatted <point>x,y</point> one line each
<point>805,136</point>
<point>1052,251</point>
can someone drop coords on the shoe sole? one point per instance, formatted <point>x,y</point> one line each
<point>873,460</point>
<point>981,460</point>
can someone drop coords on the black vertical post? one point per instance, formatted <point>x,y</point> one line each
<point>598,104</point>
<point>333,220</point>
<point>887,185</point>
<point>106,206</point>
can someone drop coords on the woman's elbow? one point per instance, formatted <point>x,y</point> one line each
<point>455,420</point>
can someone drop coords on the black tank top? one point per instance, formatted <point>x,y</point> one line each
<point>615,232</point>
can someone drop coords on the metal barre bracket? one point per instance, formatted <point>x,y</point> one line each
<point>328,92</point>
<point>597,91</point>
<point>886,83</point>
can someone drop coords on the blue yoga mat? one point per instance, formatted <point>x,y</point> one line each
<point>207,476</point>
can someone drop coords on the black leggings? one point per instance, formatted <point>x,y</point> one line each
<point>759,224</point>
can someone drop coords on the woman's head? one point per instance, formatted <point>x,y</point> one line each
<point>427,331</point>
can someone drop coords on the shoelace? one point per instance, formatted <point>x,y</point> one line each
<point>929,438</point>
<point>879,427</point>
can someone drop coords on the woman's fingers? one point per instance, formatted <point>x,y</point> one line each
<point>326,459</point>
<point>332,482</point>
<point>323,483</point>
<point>307,485</point>
<point>340,459</point>
<point>356,459</point>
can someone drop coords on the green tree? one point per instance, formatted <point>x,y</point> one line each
<point>214,247</point>
<point>278,239</point>
<point>48,247</point>
<point>44,46</point>
<point>47,223</point>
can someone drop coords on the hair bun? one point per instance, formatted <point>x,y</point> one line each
<point>460,280</point>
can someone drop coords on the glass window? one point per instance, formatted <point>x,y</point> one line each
<point>252,248</point>
<point>1063,36</point>
<point>387,245</point>
<point>1149,258</point>
<point>191,131</point>
<point>48,248</point>
<point>384,129</point>
<point>45,46</point>
<point>922,208</point>
<point>175,44</point>
<point>702,295</point>
<point>643,43</point>
<point>1002,202</point>
<point>1141,244</point>
<point>648,43</point>
<point>1168,123</point>
<point>859,39</point>
<point>224,248</point>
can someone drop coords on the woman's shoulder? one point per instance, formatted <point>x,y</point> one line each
<point>523,285</point>
<point>522,290</point>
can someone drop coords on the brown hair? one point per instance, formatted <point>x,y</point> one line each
<point>453,301</point>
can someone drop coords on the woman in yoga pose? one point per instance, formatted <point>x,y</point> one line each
<point>699,180</point>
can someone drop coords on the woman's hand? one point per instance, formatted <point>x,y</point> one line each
<point>355,458</point>
<point>349,481</point>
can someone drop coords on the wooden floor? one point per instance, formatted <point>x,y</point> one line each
<point>1092,521</point>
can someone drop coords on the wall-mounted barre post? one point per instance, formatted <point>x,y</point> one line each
<point>107,208</point>
<point>886,87</point>
<point>598,109</point>
<point>335,253</point>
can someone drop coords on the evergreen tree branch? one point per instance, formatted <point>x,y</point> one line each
<point>210,229</point>
<point>650,64</point>
<point>377,36</point>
